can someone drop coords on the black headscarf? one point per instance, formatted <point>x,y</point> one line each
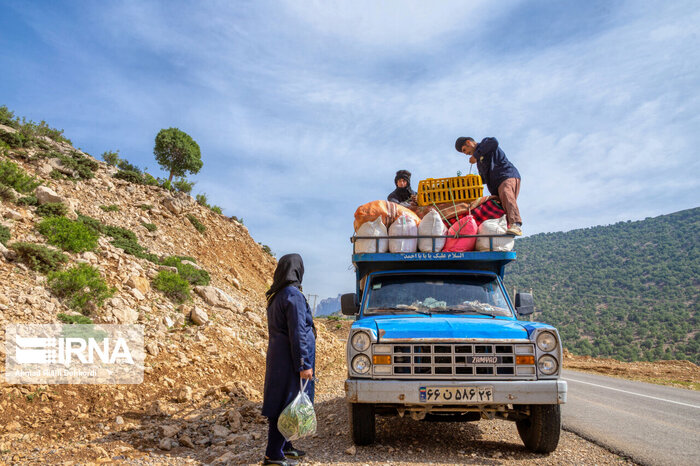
<point>289,272</point>
<point>401,195</point>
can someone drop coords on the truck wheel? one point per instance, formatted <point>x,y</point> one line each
<point>362,422</point>
<point>540,432</point>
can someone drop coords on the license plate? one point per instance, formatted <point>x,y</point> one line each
<point>455,394</point>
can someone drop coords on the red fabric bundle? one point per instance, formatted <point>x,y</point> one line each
<point>466,226</point>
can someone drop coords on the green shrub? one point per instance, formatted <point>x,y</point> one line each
<point>239,220</point>
<point>216,209</point>
<point>110,208</point>
<point>111,157</point>
<point>128,167</point>
<point>52,209</point>
<point>84,166</point>
<point>130,176</point>
<point>28,200</point>
<point>183,185</point>
<point>7,117</point>
<point>172,285</point>
<point>202,199</point>
<point>121,238</point>
<point>150,226</point>
<point>150,180</point>
<point>38,257</point>
<point>172,261</point>
<point>165,184</point>
<point>7,193</point>
<point>267,249</point>
<point>13,140</point>
<point>57,175</point>
<point>12,175</point>
<point>4,235</point>
<point>73,319</point>
<point>146,207</point>
<point>199,226</point>
<point>69,235</point>
<point>192,274</point>
<point>82,286</point>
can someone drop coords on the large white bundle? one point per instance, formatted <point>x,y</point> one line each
<point>494,226</point>
<point>375,228</point>
<point>431,225</point>
<point>403,226</point>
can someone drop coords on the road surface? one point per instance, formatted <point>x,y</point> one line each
<point>651,424</point>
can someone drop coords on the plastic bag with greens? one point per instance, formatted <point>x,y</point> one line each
<point>298,419</point>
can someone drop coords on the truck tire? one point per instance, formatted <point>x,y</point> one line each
<point>540,432</point>
<point>362,423</point>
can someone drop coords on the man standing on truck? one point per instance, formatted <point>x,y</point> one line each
<point>500,176</point>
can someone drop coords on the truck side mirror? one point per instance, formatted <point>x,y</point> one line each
<point>524,304</point>
<point>348,304</point>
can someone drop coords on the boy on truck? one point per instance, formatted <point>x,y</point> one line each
<point>499,174</point>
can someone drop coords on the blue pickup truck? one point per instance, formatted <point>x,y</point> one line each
<point>436,337</point>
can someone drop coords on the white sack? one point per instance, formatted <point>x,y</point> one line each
<point>403,226</point>
<point>494,226</point>
<point>431,225</point>
<point>375,228</point>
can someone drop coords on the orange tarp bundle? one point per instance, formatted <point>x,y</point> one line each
<point>388,211</point>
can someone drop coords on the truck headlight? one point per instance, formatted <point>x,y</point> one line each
<point>360,364</point>
<point>547,365</point>
<point>546,341</point>
<point>360,341</point>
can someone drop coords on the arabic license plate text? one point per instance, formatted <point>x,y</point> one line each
<point>455,394</point>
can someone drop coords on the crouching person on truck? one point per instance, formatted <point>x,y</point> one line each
<point>291,353</point>
<point>499,174</point>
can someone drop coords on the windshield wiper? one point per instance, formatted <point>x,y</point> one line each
<point>470,309</point>
<point>405,309</point>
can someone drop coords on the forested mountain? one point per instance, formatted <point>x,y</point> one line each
<point>629,290</point>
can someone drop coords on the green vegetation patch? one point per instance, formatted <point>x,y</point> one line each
<point>217,209</point>
<point>150,226</point>
<point>7,193</point>
<point>69,235</point>
<point>267,249</point>
<point>14,176</point>
<point>4,235</point>
<point>74,319</point>
<point>28,200</point>
<point>29,132</point>
<point>85,167</point>
<point>121,238</point>
<point>82,286</point>
<point>38,257</point>
<point>172,285</point>
<point>193,275</point>
<point>199,226</point>
<point>52,209</point>
<point>110,208</point>
<point>183,185</point>
<point>146,207</point>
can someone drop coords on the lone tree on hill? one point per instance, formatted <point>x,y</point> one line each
<point>177,152</point>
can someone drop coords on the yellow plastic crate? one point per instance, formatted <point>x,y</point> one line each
<point>437,190</point>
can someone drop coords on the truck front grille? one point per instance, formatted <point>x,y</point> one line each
<point>455,361</point>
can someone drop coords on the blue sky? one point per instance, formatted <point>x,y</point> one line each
<point>305,110</point>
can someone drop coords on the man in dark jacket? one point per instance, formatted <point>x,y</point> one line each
<point>500,176</point>
<point>291,353</point>
<point>403,194</point>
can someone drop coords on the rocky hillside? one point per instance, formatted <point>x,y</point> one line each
<point>193,277</point>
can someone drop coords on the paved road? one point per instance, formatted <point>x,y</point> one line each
<point>651,424</point>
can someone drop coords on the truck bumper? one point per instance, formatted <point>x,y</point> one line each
<point>406,392</point>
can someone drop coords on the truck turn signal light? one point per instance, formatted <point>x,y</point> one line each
<point>529,360</point>
<point>385,359</point>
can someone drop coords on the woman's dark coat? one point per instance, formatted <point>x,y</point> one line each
<point>291,349</point>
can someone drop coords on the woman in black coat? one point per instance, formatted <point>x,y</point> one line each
<point>291,353</point>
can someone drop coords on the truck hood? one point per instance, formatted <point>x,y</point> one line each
<point>449,328</point>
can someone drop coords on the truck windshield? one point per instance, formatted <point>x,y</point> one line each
<point>436,294</point>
